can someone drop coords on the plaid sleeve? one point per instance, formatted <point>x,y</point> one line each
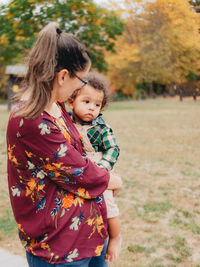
<point>110,149</point>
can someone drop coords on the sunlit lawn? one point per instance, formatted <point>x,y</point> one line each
<point>160,200</point>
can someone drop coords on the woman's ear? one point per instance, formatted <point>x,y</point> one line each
<point>62,75</point>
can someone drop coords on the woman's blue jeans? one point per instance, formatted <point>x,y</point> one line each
<point>98,261</point>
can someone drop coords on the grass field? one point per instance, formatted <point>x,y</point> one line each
<point>160,200</point>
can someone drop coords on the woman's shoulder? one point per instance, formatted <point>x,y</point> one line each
<point>24,125</point>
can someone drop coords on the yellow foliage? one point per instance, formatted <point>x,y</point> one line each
<point>20,32</point>
<point>15,23</point>
<point>91,8</point>
<point>3,40</point>
<point>161,44</point>
<point>10,16</point>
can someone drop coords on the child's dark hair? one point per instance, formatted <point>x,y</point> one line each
<point>99,82</point>
<point>53,51</point>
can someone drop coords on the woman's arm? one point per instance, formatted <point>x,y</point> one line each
<point>42,149</point>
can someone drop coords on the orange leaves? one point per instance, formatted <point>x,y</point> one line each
<point>95,26</point>
<point>161,44</point>
<point>123,65</point>
<point>3,40</point>
<point>91,9</point>
<point>179,36</point>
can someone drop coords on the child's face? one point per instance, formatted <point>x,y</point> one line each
<point>87,104</point>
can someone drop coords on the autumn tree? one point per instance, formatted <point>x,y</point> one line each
<point>161,42</point>
<point>21,20</point>
<point>125,64</point>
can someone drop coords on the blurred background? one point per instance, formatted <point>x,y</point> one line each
<point>147,48</point>
<point>150,52</point>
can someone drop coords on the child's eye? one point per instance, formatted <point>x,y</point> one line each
<point>97,105</point>
<point>86,101</point>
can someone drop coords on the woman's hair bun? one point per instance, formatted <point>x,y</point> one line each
<point>59,31</point>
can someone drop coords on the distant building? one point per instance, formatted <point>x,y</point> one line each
<point>16,74</point>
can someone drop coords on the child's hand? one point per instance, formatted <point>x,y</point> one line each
<point>116,191</point>
<point>107,257</point>
<point>113,250</point>
<point>110,258</point>
<point>115,182</point>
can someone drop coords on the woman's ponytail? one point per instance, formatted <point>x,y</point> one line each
<point>53,51</point>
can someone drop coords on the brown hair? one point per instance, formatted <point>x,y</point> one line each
<point>53,51</point>
<point>99,82</point>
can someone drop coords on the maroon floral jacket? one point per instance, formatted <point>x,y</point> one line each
<point>55,193</point>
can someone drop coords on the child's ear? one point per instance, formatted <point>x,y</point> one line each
<point>70,102</point>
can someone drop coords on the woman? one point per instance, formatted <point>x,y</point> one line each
<point>56,194</point>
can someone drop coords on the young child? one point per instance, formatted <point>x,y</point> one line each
<point>99,144</point>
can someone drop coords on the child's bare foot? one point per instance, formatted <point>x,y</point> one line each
<point>114,247</point>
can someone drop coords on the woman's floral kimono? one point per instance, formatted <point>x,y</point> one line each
<point>56,194</point>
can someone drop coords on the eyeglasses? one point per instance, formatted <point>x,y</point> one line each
<point>82,80</point>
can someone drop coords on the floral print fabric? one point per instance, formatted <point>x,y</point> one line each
<point>55,193</point>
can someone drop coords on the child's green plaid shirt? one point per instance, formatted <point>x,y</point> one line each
<point>102,139</point>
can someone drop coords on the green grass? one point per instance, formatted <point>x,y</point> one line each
<point>7,223</point>
<point>157,208</point>
<point>159,163</point>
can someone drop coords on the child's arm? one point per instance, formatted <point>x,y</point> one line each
<point>109,148</point>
